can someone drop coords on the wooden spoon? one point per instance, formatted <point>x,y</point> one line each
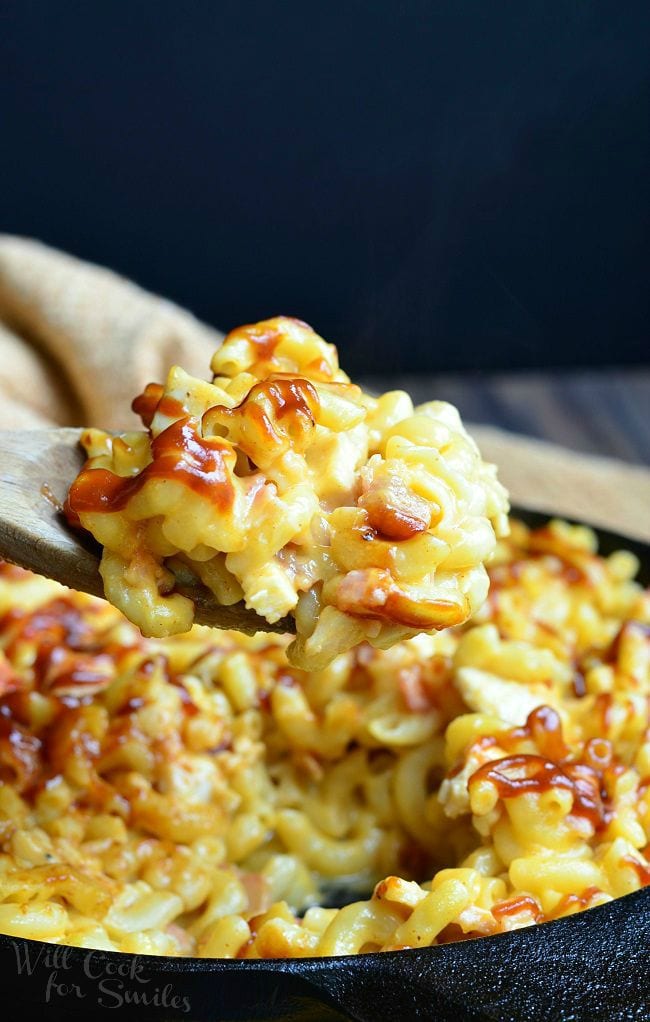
<point>36,470</point>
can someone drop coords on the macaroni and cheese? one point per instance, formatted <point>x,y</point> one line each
<point>200,795</point>
<point>283,485</point>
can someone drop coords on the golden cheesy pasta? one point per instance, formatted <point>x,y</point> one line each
<point>283,485</point>
<point>200,795</point>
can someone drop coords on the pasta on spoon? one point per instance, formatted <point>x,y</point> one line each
<point>283,485</point>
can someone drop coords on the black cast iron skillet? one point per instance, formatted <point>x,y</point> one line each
<point>591,967</point>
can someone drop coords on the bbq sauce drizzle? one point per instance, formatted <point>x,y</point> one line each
<point>589,778</point>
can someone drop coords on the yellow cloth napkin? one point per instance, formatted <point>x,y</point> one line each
<point>78,342</point>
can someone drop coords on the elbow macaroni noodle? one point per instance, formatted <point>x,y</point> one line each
<point>200,795</point>
<point>282,484</point>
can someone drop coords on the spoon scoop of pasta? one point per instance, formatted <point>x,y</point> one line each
<point>36,470</point>
<point>298,501</point>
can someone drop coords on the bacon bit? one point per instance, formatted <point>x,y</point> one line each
<point>394,511</point>
<point>258,892</point>
<point>515,906</point>
<point>184,940</point>
<point>416,694</point>
<point>373,593</point>
<point>424,614</point>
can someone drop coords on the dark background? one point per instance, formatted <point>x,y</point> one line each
<point>434,186</point>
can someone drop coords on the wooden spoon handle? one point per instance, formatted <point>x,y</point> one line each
<point>36,469</point>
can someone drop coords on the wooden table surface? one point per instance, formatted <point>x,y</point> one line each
<point>604,412</point>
